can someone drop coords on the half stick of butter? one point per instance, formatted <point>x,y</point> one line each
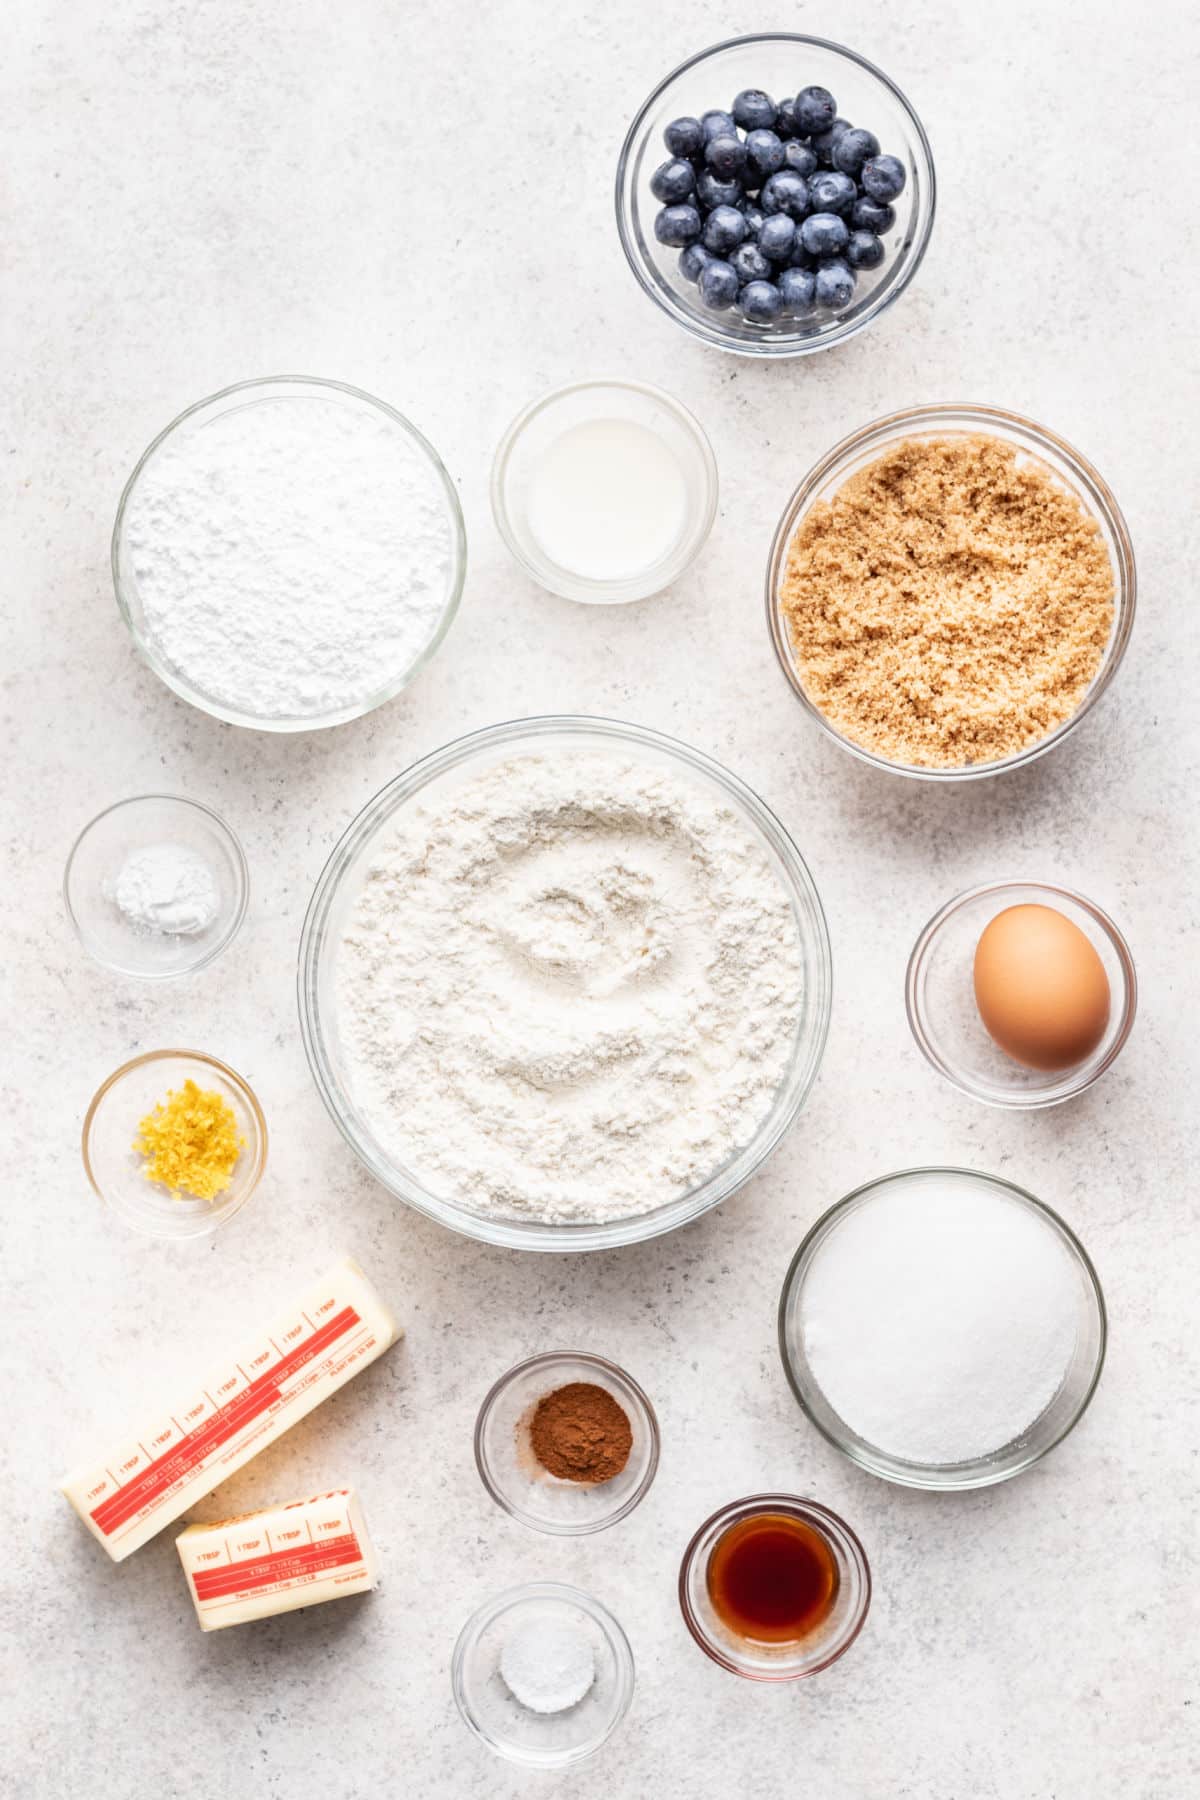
<point>277,1560</point>
<point>308,1352</point>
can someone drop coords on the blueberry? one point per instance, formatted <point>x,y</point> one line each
<point>785,193</point>
<point>749,264</point>
<point>673,181</point>
<point>814,110</point>
<point>760,302</point>
<point>753,109</point>
<point>799,158</point>
<point>717,124</point>
<point>692,260</point>
<point>753,215</point>
<point>678,225</point>
<point>764,154</point>
<point>785,120</point>
<point>710,192</point>
<point>824,234</point>
<point>797,290</point>
<point>724,229</point>
<point>852,149</point>
<point>725,156</point>
<point>835,284</point>
<point>684,137</point>
<point>883,177</point>
<point>718,285</point>
<point>864,251</point>
<point>824,141</point>
<point>800,257</point>
<point>831,191</point>
<point>870,215</point>
<point>777,238</point>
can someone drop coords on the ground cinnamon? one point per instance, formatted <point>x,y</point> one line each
<point>580,1433</point>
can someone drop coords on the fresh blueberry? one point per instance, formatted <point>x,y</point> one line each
<point>831,191</point>
<point>883,177</point>
<point>724,229</point>
<point>710,192</point>
<point>835,284</point>
<point>684,137</point>
<point>785,193</point>
<point>673,181</point>
<point>852,149</point>
<point>753,215</point>
<point>800,257</point>
<point>753,109</point>
<point>824,234</point>
<point>678,225</point>
<point>785,120</point>
<point>692,260</point>
<point>760,302</point>
<point>725,156</point>
<point>797,290</point>
<point>718,285</point>
<point>764,154</point>
<point>717,124</point>
<point>814,110</point>
<point>870,215</point>
<point>749,264</point>
<point>864,251</point>
<point>824,141</point>
<point>799,158</point>
<point>777,238</point>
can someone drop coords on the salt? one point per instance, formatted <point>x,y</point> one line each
<point>940,1320</point>
<point>547,1665</point>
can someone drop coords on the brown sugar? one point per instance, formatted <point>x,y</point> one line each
<point>580,1433</point>
<point>950,605</point>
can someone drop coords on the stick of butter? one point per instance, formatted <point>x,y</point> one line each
<point>323,1339</point>
<point>276,1560</point>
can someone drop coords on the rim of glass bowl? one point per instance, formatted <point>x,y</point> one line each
<point>224,831</point>
<point>959,1477</point>
<point>485,1615</point>
<point>195,696</point>
<point>253,1107</point>
<point>807,1051</point>
<point>812,1512</point>
<point>1022,1100</point>
<point>646,272</point>
<point>1038,441</point>
<point>631,588</point>
<point>573,1527</point>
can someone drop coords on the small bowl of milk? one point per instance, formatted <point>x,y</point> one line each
<point>605,491</point>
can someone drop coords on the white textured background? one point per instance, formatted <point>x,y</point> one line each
<point>417,200</point>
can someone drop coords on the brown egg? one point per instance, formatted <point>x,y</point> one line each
<point>1040,988</point>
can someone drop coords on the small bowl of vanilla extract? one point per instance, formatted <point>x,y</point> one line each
<point>774,1588</point>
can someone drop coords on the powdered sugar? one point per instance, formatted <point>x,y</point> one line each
<point>292,554</point>
<point>569,987</point>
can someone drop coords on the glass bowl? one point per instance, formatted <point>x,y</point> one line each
<point>1064,1410</point>
<point>541,1740</point>
<point>337,889</point>
<point>115,1169</point>
<point>785,1661</point>
<point>939,994</point>
<point>780,62</point>
<point>96,861</point>
<point>532,436</point>
<point>1067,466</point>
<point>516,1480</point>
<point>277,390</point>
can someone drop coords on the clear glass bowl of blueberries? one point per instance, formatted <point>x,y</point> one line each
<point>775,194</point>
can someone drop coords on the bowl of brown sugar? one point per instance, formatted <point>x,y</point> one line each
<point>567,1443</point>
<point>950,591</point>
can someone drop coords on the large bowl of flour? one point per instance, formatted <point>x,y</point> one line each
<point>564,984</point>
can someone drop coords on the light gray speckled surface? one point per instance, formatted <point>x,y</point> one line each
<point>199,193</point>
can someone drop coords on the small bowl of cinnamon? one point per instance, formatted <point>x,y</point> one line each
<point>567,1443</point>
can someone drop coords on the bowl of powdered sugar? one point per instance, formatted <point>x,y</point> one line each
<point>564,984</point>
<point>288,554</point>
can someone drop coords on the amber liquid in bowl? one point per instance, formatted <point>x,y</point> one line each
<point>772,1578</point>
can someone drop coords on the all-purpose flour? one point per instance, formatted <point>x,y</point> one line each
<point>292,555</point>
<point>568,988</point>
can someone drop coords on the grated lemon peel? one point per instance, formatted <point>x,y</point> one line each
<point>191,1142</point>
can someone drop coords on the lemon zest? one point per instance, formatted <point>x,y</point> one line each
<point>191,1142</point>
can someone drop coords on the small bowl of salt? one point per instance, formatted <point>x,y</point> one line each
<point>543,1674</point>
<point>156,886</point>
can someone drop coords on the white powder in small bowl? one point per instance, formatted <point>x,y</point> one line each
<point>166,890</point>
<point>547,1665</point>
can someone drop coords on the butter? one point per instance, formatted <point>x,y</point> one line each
<point>277,1560</point>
